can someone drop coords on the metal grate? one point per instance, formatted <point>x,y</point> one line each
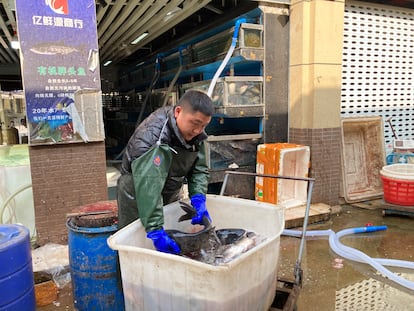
<point>372,294</point>
<point>377,66</point>
<point>364,295</point>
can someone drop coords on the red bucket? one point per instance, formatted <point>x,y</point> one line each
<point>398,191</point>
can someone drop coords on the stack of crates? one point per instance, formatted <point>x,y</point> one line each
<point>282,159</point>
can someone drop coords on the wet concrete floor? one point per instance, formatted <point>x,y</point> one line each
<point>330,283</point>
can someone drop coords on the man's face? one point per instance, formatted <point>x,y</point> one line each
<point>190,124</point>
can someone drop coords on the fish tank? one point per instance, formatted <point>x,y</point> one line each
<point>251,36</point>
<point>234,96</point>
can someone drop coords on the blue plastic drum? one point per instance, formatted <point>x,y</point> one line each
<point>94,269</point>
<point>16,271</point>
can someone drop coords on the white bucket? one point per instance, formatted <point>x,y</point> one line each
<point>399,171</point>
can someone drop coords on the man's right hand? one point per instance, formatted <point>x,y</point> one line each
<point>162,242</point>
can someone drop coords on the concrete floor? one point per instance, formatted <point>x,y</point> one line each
<point>332,284</point>
<point>329,284</point>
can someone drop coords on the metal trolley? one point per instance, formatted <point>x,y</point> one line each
<point>287,290</point>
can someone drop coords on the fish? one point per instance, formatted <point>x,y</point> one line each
<point>190,212</point>
<point>211,250</point>
<point>230,235</point>
<point>215,247</point>
<point>51,48</point>
<point>194,241</point>
<point>230,252</point>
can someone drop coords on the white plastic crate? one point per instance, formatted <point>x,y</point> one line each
<point>362,156</point>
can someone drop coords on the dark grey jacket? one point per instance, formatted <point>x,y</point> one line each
<point>188,162</point>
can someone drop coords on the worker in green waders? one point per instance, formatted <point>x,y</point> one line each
<point>166,150</point>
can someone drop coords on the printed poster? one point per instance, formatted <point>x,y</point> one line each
<point>59,56</point>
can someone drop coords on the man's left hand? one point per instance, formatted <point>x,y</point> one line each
<point>198,201</point>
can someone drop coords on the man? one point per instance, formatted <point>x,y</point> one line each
<point>166,149</point>
<point>22,128</point>
<point>13,136</point>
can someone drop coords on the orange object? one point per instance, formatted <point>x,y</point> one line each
<point>46,291</point>
<point>283,159</point>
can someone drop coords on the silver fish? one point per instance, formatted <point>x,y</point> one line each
<point>53,48</point>
<point>230,236</point>
<point>230,252</point>
<point>214,246</point>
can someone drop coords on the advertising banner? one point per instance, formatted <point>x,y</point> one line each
<point>59,58</point>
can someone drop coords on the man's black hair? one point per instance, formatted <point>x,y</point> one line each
<point>197,101</point>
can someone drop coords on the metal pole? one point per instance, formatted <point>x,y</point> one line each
<point>298,271</point>
<point>226,178</point>
<point>270,176</point>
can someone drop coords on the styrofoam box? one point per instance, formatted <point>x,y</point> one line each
<point>158,281</point>
<point>283,159</point>
<point>294,162</point>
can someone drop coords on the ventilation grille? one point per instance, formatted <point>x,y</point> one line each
<point>378,66</point>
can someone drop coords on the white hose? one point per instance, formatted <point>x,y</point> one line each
<point>7,201</point>
<point>226,58</point>
<point>356,255</point>
<point>10,197</point>
<point>329,232</point>
<point>359,256</point>
<point>312,233</point>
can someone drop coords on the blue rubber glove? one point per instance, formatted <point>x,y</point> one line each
<point>198,201</point>
<point>162,242</point>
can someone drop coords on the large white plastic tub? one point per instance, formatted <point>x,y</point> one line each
<point>157,281</point>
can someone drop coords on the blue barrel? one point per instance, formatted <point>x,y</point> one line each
<point>94,268</point>
<point>16,271</point>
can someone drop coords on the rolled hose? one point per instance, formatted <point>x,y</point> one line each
<point>227,57</point>
<point>356,255</point>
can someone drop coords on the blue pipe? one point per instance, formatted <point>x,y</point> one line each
<point>237,27</point>
<point>369,229</point>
